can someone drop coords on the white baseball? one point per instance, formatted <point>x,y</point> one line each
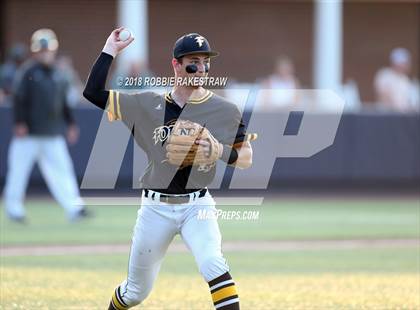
<point>124,35</point>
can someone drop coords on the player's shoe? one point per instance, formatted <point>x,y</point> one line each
<point>17,219</point>
<point>81,214</point>
<point>111,306</point>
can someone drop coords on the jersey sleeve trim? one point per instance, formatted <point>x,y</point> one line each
<point>118,105</point>
<point>113,109</point>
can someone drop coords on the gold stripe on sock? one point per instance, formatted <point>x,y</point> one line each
<point>117,303</point>
<point>224,293</point>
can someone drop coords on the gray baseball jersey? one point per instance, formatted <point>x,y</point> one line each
<point>151,116</point>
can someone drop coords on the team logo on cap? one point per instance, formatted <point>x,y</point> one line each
<point>199,40</point>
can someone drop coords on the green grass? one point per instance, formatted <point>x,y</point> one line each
<point>370,278</point>
<point>313,261</point>
<point>277,221</point>
<point>363,279</point>
<point>40,288</point>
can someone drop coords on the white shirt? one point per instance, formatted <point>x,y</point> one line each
<point>398,88</point>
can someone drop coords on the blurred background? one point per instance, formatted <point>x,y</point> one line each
<point>337,230</point>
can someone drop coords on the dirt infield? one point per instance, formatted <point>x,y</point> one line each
<point>230,246</point>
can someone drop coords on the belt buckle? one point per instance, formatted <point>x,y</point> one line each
<point>176,199</point>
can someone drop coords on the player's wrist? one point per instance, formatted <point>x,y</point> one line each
<point>229,154</point>
<point>110,50</point>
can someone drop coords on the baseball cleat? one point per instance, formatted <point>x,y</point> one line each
<point>81,214</point>
<point>18,219</point>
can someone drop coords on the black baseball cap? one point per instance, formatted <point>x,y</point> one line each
<point>192,43</point>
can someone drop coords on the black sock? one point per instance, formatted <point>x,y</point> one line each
<point>223,293</point>
<point>117,303</point>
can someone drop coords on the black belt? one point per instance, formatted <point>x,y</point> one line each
<point>171,199</point>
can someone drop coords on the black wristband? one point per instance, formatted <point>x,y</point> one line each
<point>229,154</point>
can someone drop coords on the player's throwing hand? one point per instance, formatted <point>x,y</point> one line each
<point>114,44</point>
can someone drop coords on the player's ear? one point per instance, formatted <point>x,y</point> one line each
<point>176,64</point>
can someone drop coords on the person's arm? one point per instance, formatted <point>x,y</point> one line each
<point>236,150</point>
<point>95,90</point>
<point>20,103</point>
<point>383,88</point>
<point>68,115</point>
<point>72,133</point>
<point>239,156</point>
<point>72,128</point>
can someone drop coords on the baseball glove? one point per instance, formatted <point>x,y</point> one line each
<point>183,150</point>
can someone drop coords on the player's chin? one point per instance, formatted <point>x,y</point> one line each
<point>194,85</point>
<point>200,81</point>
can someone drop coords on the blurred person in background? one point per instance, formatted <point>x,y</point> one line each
<point>350,93</point>
<point>394,88</point>
<point>74,83</point>
<point>15,57</point>
<point>41,111</point>
<point>280,87</point>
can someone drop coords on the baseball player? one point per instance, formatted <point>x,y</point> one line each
<point>41,111</point>
<point>184,133</point>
